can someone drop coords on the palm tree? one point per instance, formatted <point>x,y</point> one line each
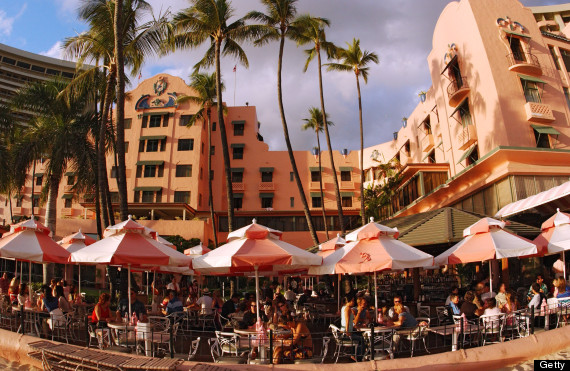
<point>205,87</point>
<point>354,59</point>
<point>278,23</point>
<point>313,32</point>
<point>315,122</point>
<point>209,20</point>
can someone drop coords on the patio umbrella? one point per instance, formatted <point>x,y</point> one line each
<point>30,241</point>
<point>197,250</point>
<point>328,247</point>
<point>486,240</point>
<point>255,248</point>
<point>555,236</point>
<point>75,242</point>
<point>372,248</point>
<point>130,244</point>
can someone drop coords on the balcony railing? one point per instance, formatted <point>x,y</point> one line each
<point>315,185</point>
<point>238,186</point>
<point>346,184</point>
<point>427,142</point>
<point>467,136</point>
<point>524,63</point>
<point>18,210</point>
<point>67,211</point>
<point>266,186</point>
<point>457,90</point>
<point>538,112</point>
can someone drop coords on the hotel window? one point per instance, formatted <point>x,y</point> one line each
<point>154,121</point>
<point>517,49</point>
<point>152,145</point>
<point>185,144</point>
<point>212,150</point>
<point>165,120</point>
<point>266,176</point>
<point>70,179</point>
<point>238,201</point>
<point>139,171</point>
<point>137,196</point>
<point>126,147</point>
<point>237,176</point>
<point>473,156</point>
<point>39,180</point>
<point>531,91</point>
<point>426,126</point>
<point>237,153</point>
<point>19,201</point>
<point>213,126</point>
<point>267,202</point>
<point>345,176</point>
<point>141,146</point>
<point>128,123</point>
<point>36,201</point>
<point>314,176</point>
<point>346,201</point>
<point>183,171</point>
<point>316,201</point>
<point>182,197</point>
<point>565,54</point>
<point>292,176</point>
<point>542,140</point>
<point>455,73</point>
<point>567,95</point>
<point>292,201</point>
<point>147,196</point>
<point>238,129</point>
<point>184,120</point>
<point>67,203</point>
<point>554,57</point>
<point>465,114</point>
<point>149,171</point>
<point>144,122</point>
<point>407,148</point>
<point>431,157</point>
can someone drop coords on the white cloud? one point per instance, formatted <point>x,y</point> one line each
<point>55,51</point>
<point>7,23</point>
<point>68,6</point>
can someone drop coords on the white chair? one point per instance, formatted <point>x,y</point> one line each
<point>492,327</point>
<point>193,348</point>
<point>419,333</point>
<point>343,341</point>
<point>563,315</point>
<point>382,344</point>
<point>216,352</point>
<point>60,325</point>
<point>231,343</point>
<point>424,311</point>
<point>442,315</point>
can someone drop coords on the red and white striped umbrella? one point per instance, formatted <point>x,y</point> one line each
<point>30,241</point>
<point>545,202</point>
<point>197,250</point>
<point>555,236</point>
<point>330,246</point>
<point>76,241</point>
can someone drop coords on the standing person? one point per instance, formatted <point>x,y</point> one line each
<point>4,284</point>
<point>501,297</point>
<point>173,285</point>
<point>217,301</point>
<point>205,302</point>
<point>541,285</point>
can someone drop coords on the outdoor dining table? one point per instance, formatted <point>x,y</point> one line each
<point>129,330</point>
<point>455,331</point>
<point>34,317</point>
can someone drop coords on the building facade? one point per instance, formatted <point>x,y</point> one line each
<point>494,126</point>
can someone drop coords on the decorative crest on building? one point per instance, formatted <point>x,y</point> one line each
<point>511,25</point>
<point>374,155</point>
<point>160,86</point>
<point>451,52</point>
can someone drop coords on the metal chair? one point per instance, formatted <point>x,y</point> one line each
<point>419,333</point>
<point>492,326</point>
<point>382,344</point>
<point>60,326</point>
<point>563,315</point>
<point>442,315</point>
<point>217,355</point>
<point>194,345</point>
<point>424,311</point>
<point>230,343</point>
<point>343,341</point>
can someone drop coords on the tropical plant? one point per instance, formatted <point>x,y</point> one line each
<point>356,60</point>
<point>313,32</point>
<point>209,20</point>
<point>315,123</point>
<point>278,23</point>
<point>205,87</point>
<point>377,197</point>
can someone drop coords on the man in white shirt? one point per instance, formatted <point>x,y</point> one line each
<point>205,302</point>
<point>173,285</point>
<point>290,295</point>
<point>486,293</point>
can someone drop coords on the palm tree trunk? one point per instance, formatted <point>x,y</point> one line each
<point>321,184</point>
<point>97,207</point>
<point>10,200</point>
<point>336,187</point>
<point>51,218</point>
<point>210,196</point>
<point>362,216</point>
<point>101,158</point>
<point>120,145</point>
<point>225,150</point>
<point>290,148</point>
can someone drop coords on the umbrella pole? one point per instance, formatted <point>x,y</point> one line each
<point>29,274</point>
<point>490,278</point>
<point>79,284</point>
<point>154,282</point>
<point>257,291</point>
<point>564,261</point>
<point>338,289</point>
<point>129,281</point>
<point>375,294</point>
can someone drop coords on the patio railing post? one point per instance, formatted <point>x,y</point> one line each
<point>171,341</point>
<point>270,346</point>
<point>461,336</point>
<point>88,336</point>
<point>22,319</point>
<point>532,320</point>
<point>372,341</point>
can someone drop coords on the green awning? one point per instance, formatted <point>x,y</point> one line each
<point>545,130</point>
<point>266,195</point>
<point>152,189</point>
<point>38,175</point>
<point>150,162</point>
<point>265,169</point>
<point>345,168</point>
<point>516,33</point>
<point>238,195</point>
<point>237,169</point>
<point>459,106</point>
<point>315,194</point>
<point>237,145</point>
<point>151,137</point>
<point>70,173</point>
<point>314,168</point>
<point>346,194</point>
<point>466,154</point>
<point>67,196</point>
<point>156,113</point>
<point>238,122</point>
<point>531,78</point>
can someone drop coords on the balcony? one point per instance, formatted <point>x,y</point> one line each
<point>344,184</point>
<point>467,136</point>
<point>266,186</point>
<point>67,211</point>
<point>238,187</point>
<point>427,142</point>
<point>18,210</point>
<point>538,112</point>
<point>457,90</point>
<point>315,185</point>
<point>524,63</point>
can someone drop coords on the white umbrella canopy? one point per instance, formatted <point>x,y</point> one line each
<point>328,247</point>
<point>255,248</point>
<point>555,236</point>
<point>75,242</point>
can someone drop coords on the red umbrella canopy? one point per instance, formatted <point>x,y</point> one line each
<point>328,247</point>
<point>76,241</point>
<point>130,243</point>
<point>555,236</point>
<point>372,231</point>
<point>30,241</point>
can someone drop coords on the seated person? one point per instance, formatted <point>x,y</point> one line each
<point>290,295</point>
<point>486,292</point>
<point>469,306</point>
<point>563,290</point>
<point>491,308</point>
<point>298,345</point>
<point>392,313</point>
<point>136,306</point>
<point>383,317</point>
<point>303,299</point>
<point>64,305</point>
<point>454,291</point>
<point>230,306</point>
<point>541,286</point>
<point>49,302</point>
<point>537,296</point>
<point>205,302</point>
<point>174,304</point>
<point>501,297</point>
<point>242,308</point>
<point>405,319</point>
<point>454,305</point>
<point>362,317</point>
<point>101,313</point>
<point>250,317</point>
<point>23,295</point>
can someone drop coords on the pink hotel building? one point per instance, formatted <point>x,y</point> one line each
<point>493,128</point>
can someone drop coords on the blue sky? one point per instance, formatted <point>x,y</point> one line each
<point>39,26</point>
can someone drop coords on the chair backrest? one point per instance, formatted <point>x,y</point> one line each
<point>194,348</point>
<point>421,320</point>
<point>442,313</point>
<point>215,350</point>
<point>493,321</point>
<point>335,331</point>
<point>424,310</point>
